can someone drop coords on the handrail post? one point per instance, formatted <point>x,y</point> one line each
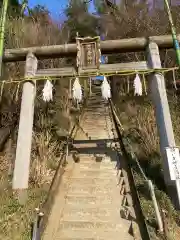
<point>36,225</point>
<point>157,212</point>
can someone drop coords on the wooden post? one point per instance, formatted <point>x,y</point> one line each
<point>163,117</point>
<point>90,86</point>
<point>156,207</point>
<point>70,88</point>
<point>23,150</point>
<point>113,83</point>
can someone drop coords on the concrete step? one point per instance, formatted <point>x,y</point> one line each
<point>84,235</point>
<point>95,171</point>
<point>90,174</point>
<point>107,168</point>
<point>100,164</point>
<point>106,161</point>
<point>89,183</point>
<point>99,226</point>
<point>90,124</point>
<point>98,230</point>
<point>87,156</point>
<point>93,121</point>
<point>102,130</point>
<point>95,238</point>
<point>91,214</point>
<point>101,135</point>
<point>81,190</point>
<point>86,217</point>
<point>93,181</point>
<point>103,125</point>
<point>93,135</point>
<point>88,121</point>
<point>97,201</point>
<point>100,120</point>
<point>93,160</point>
<point>91,210</point>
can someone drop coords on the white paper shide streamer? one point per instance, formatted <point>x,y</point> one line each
<point>105,89</point>
<point>47,91</point>
<point>77,90</point>
<point>137,86</point>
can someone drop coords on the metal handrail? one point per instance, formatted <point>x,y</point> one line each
<point>127,145</point>
<point>143,227</point>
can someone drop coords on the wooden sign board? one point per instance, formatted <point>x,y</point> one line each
<point>88,53</point>
<point>173,158</point>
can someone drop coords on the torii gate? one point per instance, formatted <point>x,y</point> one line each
<point>88,63</point>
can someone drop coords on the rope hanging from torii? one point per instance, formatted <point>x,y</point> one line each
<point>77,93</point>
<point>47,93</point>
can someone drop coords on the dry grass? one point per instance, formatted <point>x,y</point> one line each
<point>45,156</point>
<point>146,131</point>
<point>23,32</point>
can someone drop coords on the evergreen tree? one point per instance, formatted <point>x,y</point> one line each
<point>79,20</point>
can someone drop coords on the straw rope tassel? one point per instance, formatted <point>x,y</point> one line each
<point>137,86</point>
<point>47,91</point>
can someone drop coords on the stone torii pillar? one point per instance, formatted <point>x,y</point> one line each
<point>163,118</point>
<point>23,149</point>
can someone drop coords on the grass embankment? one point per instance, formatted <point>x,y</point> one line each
<point>46,151</point>
<point>138,120</point>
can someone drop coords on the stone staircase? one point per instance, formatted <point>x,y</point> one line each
<point>88,203</point>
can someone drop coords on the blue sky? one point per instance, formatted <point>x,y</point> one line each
<point>55,7</point>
